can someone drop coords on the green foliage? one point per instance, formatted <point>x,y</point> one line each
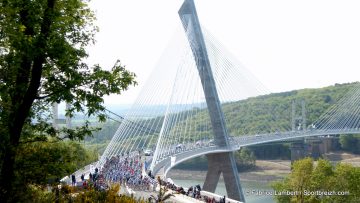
<point>197,163</point>
<point>271,113</point>
<point>320,174</point>
<point>245,159</point>
<point>108,129</point>
<point>92,195</point>
<point>42,52</point>
<point>99,140</point>
<point>343,180</point>
<point>346,178</point>
<point>300,178</point>
<point>350,143</point>
<point>40,163</point>
<point>271,151</point>
<point>37,193</point>
<point>67,194</point>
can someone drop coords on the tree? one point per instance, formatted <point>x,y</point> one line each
<point>349,143</point>
<point>106,196</point>
<point>43,162</point>
<point>42,52</point>
<point>346,178</point>
<point>245,159</point>
<point>298,181</point>
<point>273,151</point>
<point>319,180</point>
<point>308,180</point>
<point>300,177</point>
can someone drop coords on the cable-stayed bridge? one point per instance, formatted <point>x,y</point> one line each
<point>190,93</point>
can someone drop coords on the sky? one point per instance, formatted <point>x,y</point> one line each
<point>286,44</point>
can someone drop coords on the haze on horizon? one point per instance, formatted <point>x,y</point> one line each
<point>287,45</point>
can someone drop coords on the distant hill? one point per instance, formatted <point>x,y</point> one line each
<point>272,112</point>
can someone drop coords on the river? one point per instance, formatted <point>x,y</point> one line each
<point>255,192</point>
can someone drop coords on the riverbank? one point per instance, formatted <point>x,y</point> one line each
<point>267,171</point>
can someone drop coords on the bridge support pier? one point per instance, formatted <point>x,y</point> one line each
<point>297,151</point>
<point>314,147</point>
<point>223,163</point>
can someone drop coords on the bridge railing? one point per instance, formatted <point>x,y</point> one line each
<point>188,153</point>
<point>278,136</point>
<point>187,147</point>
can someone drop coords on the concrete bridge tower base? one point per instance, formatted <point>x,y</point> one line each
<point>223,163</point>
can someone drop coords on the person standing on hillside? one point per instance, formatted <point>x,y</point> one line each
<point>73,180</point>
